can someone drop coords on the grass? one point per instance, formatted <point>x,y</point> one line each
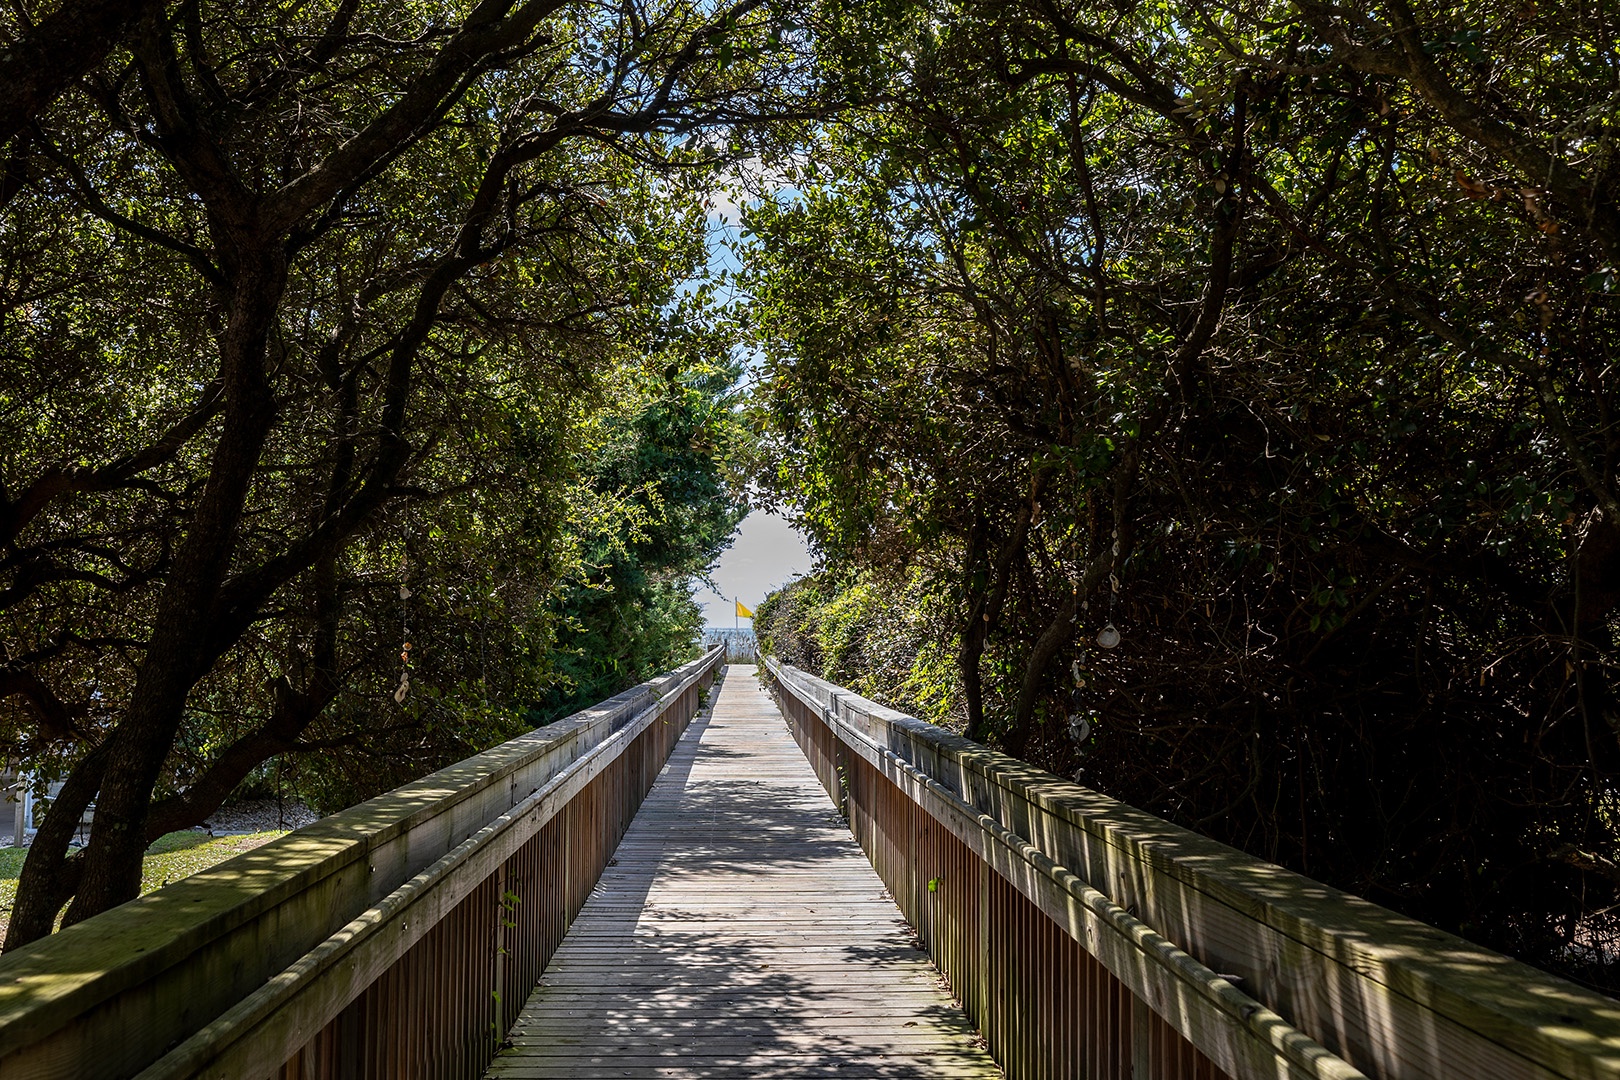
<point>170,858</point>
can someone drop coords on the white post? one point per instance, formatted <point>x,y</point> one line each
<point>20,829</point>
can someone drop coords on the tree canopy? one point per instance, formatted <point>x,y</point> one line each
<point>1208,401</point>
<point>1231,386</point>
<point>330,331</point>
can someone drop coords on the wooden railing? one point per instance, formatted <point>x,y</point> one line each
<point>399,938</point>
<point>1088,939</point>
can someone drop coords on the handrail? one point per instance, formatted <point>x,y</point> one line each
<point>270,957</point>
<point>1313,982</point>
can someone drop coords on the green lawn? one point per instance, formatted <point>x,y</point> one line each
<point>170,858</point>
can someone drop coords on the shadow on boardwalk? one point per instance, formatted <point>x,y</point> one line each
<point>740,932</point>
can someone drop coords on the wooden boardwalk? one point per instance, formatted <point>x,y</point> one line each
<point>740,932</point>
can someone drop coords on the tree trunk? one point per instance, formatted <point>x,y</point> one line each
<point>48,876</point>
<point>984,612</point>
<point>187,639</point>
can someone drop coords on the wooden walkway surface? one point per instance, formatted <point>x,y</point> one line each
<point>740,932</point>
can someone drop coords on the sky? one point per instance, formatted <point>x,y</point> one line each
<point>767,553</point>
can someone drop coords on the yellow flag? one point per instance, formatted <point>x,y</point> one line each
<point>742,612</point>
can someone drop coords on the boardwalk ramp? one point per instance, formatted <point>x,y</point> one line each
<point>740,932</point>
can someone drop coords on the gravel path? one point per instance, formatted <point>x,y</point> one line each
<point>260,815</point>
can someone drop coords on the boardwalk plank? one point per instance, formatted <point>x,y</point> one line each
<point>740,932</point>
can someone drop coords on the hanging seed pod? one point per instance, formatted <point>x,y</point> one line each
<point>1108,636</point>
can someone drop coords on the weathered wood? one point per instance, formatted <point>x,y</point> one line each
<point>1390,995</point>
<point>740,933</point>
<point>323,907</point>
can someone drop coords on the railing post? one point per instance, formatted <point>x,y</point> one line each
<point>835,761</point>
<point>1141,1039</point>
<point>502,917</point>
<point>987,999</point>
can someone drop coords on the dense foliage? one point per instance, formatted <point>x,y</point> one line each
<point>1276,340</point>
<point>349,375</point>
<point>513,624</point>
<point>1211,402</point>
<point>632,611</point>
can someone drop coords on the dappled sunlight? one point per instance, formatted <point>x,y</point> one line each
<point>740,928</point>
<point>83,964</point>
<point>355,843</point>
<point>1330,974</point>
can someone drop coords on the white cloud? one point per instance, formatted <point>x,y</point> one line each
<point>751,179</point>
<point>767,554</point>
